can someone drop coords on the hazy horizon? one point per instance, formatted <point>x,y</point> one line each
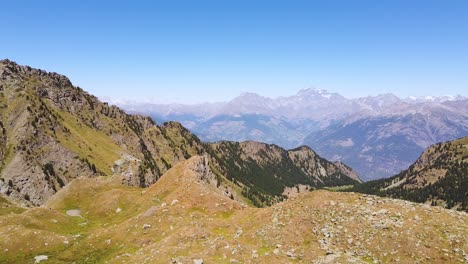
<point>191,52</point>
<point>155,100</point>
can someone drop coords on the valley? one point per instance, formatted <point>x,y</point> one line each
<point>378,136</point>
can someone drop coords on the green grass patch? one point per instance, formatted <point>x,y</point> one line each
<point>339,188</point>
<point>8,208</point>
<point>89,143</point>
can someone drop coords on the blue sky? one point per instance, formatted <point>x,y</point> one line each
<point>193,51</point>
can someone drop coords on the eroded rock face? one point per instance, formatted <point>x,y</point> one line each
<point>201,166</point>
<point>348,171</point>
<point>312,164</point>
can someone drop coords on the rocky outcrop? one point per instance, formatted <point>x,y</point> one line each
<point>346,170</point>
<point>319,168</point>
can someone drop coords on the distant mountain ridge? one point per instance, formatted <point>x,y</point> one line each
<point>377,135</point>
<point>385,145</point>
<point>307,103</point>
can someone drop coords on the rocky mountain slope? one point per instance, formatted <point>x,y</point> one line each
<point>261,171</point>
<point>53,132</point>
<point>438,177</point>
<point>183,218</point>
<point>386,131</point>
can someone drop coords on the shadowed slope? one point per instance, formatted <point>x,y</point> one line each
<point>438,177</point>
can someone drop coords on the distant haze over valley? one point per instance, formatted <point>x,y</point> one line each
<point>378,136</point>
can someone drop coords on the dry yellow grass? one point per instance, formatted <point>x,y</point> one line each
<point>181,218</point>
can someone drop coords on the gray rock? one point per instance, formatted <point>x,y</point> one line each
<point>238,233</point>
<point>150,211</point>
<point>40,258</point>
<point>74,212</point>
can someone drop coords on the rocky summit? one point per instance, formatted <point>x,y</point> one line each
<point>184,218</point>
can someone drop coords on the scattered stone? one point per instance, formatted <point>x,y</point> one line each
<point>324,230</point>
<point>150,211</point>
<point>198,261</point>
<point>74,212</point>
<point>118,210</point>
<point>146,226</point>
<point>175,261</point>
<point>174,202</point>
<point>40,258</point>
<point>238,233</point>
<point>254,254</point>
<point>382,211</point>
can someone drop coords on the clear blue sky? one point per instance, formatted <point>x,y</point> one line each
<point>192,51</point>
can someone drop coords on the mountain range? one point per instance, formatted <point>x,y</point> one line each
<point>376,135</point>
<point>53,132</point>
<point>84,182</point>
